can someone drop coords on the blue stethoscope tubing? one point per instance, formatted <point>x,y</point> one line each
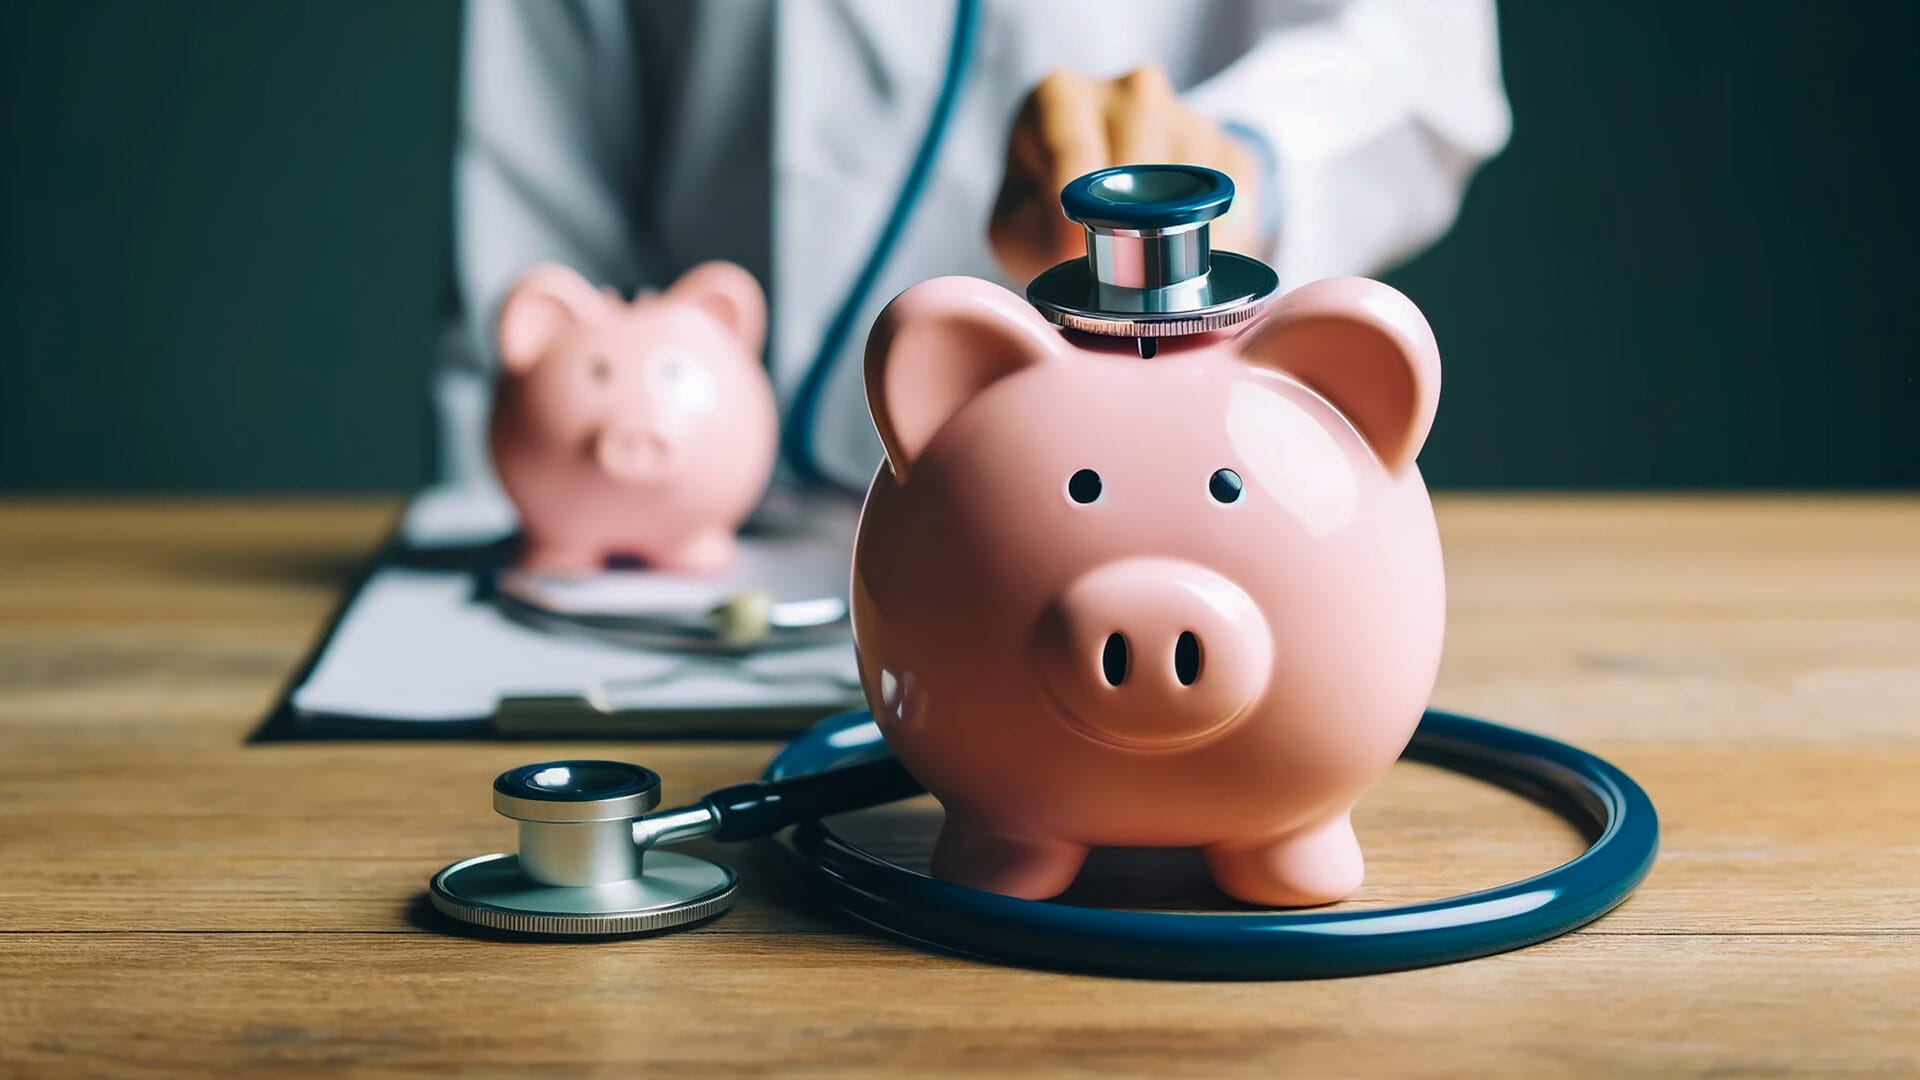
<point>796,438</point>
<point>1614,813</point>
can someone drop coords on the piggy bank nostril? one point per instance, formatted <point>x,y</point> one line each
<point>1186,658</point>
<point>1113,660</point>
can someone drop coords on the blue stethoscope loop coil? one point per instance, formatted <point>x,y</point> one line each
<point>1610,809</point>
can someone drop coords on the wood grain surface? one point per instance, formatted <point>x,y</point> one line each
<point>172,900</point>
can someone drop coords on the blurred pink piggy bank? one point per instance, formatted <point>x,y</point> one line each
<point>644,429</point>
<point>1192,601</point>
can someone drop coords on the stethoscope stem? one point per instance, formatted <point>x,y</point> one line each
<point>675,826</point>
<point>764,807</point>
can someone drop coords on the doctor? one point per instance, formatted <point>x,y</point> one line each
<point>634,139</point>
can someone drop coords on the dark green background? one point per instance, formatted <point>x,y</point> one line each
<point>226,227</point>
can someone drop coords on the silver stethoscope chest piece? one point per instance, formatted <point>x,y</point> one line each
<point>1150,270</point>
<point>579,869</point>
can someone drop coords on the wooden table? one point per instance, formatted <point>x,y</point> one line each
<point>173,900</point>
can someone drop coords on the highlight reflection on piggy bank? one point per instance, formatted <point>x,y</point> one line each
<point>641,429</point>
<point>1188,601</point>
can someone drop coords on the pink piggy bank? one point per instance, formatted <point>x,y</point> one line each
<point>643,429</point>
<point>1192,601</point>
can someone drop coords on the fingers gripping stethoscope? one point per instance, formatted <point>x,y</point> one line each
<point>593,861</point>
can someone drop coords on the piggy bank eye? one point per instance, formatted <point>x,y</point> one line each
<point>680,378</point>
<point>602,369</point>
<point>670,369</point>
<point>1084,486</point>
<point>1225,486</point>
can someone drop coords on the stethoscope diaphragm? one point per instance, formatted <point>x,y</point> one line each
<point>579,871</point>
<point>671,890</point>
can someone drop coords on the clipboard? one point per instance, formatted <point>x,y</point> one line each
<point>419,649</point>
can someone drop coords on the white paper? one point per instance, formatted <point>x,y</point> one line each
<point>426,644</point>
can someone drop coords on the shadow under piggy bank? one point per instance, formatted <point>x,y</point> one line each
<point>1429,834</point>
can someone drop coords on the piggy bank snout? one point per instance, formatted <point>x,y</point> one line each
<point>1154,653</point>
<point>634,454</point>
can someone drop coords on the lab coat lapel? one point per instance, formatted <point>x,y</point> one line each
<point>854,83</point>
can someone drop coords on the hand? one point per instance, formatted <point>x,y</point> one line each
<point>1073,124</point>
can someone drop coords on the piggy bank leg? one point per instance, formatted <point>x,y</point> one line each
<point>1012,866</point>
<point>1317,865</point>
<point>570,560</point>
<point>705,553</point>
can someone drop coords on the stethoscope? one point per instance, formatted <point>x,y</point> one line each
<point>592,862</point>
<point>593,856</point>
<point>748,621</point>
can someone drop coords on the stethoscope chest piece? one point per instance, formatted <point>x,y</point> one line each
<point>578,870</point>
<point>1150,270</point>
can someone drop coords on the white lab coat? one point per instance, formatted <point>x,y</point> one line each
<point>633,140</point>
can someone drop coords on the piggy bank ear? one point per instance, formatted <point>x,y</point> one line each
<point>1365,348</point>
<point>728,293</point>
<point>543,304</point>
<point>936,347</point>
